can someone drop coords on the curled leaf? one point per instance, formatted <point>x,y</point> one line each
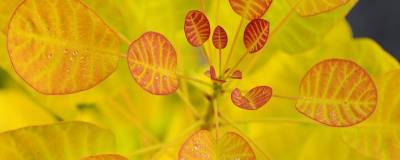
<point>61,141</point>
<point>57,53</point>
<point>338,93</point>
<point>202,146</point>
<point>253,99</point>
<point>256,35</point>
<point>197,28</point>
<point>250,9</point>
<point>237,74</point>
<point>152,62</point>
<point>315,7</point>
<point>220,38</point>
<point>105,157</point>
<point>213,75</point>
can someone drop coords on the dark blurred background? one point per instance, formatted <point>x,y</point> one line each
<point>380,20</point>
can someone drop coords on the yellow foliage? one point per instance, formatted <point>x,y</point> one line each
<point>148,126</point>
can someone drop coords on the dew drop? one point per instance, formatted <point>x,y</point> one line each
<point>50,55</point>
<point>74,53</point>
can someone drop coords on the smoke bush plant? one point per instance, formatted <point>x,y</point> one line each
<point>64,47</point>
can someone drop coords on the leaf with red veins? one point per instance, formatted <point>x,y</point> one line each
<point>220,38</point>
<point>338,93</point>
<point>197,28</point>
<point>252,100</point>
<point>203,146</point>
<point>250,9</point>
<point>212,74</point>
<point>256,35</point>
<point>152,61</point>
<point>237,74</point>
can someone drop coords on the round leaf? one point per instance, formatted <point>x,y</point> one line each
<point>250,9</point>
<point>315,7</point>
<point>256,35</point>
<point>61,47</point>
<point>252,100</point>
<point>237,74</point>
<point>220,38</point>
<point>197,28</point>
<point>152,62</point>
<point>203,146</point>
<point>338,93</point>
<point>61,141</point>
<point>105,157</point>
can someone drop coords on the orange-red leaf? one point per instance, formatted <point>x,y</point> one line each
<point>252,100</point>
<point>256,35</point>
<point>57,53</point>
<point>152,62</point>
<point>338,93</point>
<point>197,28</point>
<point>315,7</point>
<point>237,74</point>
<point>203,146</point>
<point>213,75</point>
<point>250,9</point>
<point>105,157</point>
<point>220,38</point>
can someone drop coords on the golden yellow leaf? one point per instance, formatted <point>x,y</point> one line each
<point>57,53</point>
<point>315,7</point>
<point>61,141</point>
<point>293,33</point>
<point>379,136</point>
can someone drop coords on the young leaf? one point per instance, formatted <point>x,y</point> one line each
<point>256,35</point>
<point>202,146</point>
<point>105,157</point>
<point>61,141</point>
<point>250,9</point>
<point>237,74</point>
<point>254,99</point>
<point>197,28</point>
<point>220,38</point>
<point>152,62</point>
<point>315,7</point>
<point>338,93</point>
<point>57,53</point>
<point>213,75</point>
